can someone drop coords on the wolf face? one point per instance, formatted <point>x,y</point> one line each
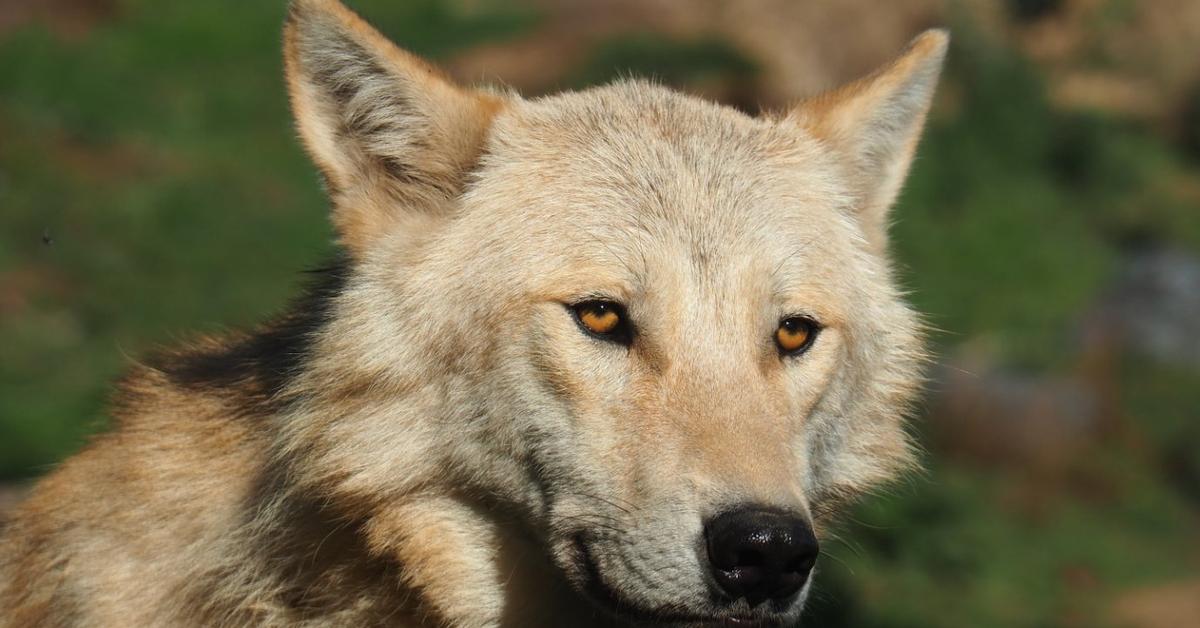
<point>660,334</point>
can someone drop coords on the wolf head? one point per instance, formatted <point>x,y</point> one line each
<point>662,334</point>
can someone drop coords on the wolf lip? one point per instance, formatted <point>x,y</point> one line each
<point>612,601</point>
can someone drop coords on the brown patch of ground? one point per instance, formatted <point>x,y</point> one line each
<point>68,18</point>
<point>110,162</point>
<point>1135,58</point>
<point>91,162</point>
<point>801,47</point>
<point>19,286</point>
<point>1174,605</point>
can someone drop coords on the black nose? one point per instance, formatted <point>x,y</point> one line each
<point>760,554</point>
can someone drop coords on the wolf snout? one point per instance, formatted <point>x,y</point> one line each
<point>760,554</point>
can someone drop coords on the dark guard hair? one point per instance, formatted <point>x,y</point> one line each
<point>256,367</point>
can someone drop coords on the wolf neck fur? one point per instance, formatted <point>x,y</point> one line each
<point>319,545</point>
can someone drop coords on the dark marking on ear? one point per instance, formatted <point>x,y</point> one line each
<point>256,368</point>
<point>390,133</point>
<point>400,171</point>
<point>366,119</point>
<point>341,93</point>
<point>343,81</point>
<point>351,72</point>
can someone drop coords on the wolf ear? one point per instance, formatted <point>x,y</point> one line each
<point>873,125</point>
<point>393,138</point>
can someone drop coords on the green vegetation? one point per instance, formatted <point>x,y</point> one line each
<point>158,156</point>
<point>1010,226</point>
<point>151,186</point>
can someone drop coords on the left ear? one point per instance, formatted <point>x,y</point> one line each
<point>394,139</point>
<point>872,125</point>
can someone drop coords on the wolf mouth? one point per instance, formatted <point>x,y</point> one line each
<point>608,598</point>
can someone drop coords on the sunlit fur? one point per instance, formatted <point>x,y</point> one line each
<point>430,438</point>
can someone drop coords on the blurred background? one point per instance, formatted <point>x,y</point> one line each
<point>151,187</point>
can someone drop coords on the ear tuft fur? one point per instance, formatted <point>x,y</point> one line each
<point>388,131</point>
<point>873,125</point>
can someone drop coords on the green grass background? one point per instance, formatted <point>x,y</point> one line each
<point>156,155</point>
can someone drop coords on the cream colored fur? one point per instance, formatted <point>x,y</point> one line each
<point>451,435</point>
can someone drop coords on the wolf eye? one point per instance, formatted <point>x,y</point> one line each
<point>796,334</point>
<point>603,319</point>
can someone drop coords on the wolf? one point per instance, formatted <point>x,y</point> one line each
<point>612,357</point>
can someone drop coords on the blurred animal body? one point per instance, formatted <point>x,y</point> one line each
<point>608,357</point>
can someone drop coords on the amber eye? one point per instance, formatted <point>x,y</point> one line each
<point>603,319</point>
<point>796,334</point>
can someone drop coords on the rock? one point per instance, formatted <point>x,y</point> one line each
<point>1155,305</point>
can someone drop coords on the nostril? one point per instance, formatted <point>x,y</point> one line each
<point>749,558</point>
<point>760,554</point>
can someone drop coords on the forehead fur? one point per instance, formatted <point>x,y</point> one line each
<point>667,160</point>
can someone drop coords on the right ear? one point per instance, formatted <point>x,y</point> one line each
<point>392,136</point>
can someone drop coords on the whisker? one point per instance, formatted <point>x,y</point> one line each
<point>607,501</point>
<point>839,560</point>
